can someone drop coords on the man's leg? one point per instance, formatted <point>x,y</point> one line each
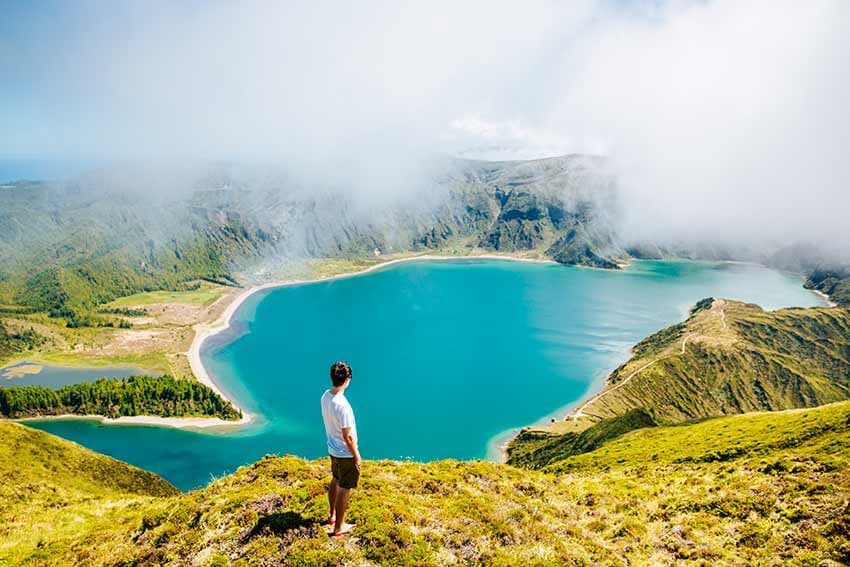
<point>342,496</point>
<point>332,492</point>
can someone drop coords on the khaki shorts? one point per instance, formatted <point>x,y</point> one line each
<point>345,471</point>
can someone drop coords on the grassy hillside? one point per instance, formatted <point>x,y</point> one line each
<point>833,282</point>
<point>53,491</point>
<point>534,448</point>
<point>13,342</point>
<point>727,358</point>
<point>731,357</point>
<point>748,489</point>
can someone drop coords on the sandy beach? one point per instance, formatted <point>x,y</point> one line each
<point>175,422</point>
<point>829,302</point>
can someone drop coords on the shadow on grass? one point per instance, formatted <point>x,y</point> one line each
<point>281,524</point>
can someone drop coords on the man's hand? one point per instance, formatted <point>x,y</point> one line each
<point>352,445</point>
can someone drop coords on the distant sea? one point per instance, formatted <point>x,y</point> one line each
<point>36,169</point>
<point>447,356</point>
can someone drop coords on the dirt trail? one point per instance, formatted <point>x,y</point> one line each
<point>580,411</point>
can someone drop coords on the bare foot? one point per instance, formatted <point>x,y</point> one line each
<point>344,529</point>
<point>331,520</point>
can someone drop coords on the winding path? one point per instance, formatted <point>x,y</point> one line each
<point>580,411</point>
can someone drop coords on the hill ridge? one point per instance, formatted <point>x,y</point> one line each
<point>750,488</point>
<point>728,357</point>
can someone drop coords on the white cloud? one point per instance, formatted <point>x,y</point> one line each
<point>726,119</point>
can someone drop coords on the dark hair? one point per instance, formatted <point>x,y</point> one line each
<point>340,372</point>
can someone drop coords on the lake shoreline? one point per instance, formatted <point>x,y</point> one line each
<point>203,331</point>
<point>495,446</point>
<point>189,422</point>
<point>828,300</point>
<point>498,444</point>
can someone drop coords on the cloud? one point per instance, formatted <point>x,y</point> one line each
<point>725,120</point>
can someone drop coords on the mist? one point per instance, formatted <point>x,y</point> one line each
<point>723,121</point>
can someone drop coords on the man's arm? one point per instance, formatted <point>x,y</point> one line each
<point>351,443</point>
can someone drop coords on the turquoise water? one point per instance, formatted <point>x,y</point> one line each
<point>446,356</point>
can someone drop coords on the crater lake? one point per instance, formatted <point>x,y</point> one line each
<point>448,356</point>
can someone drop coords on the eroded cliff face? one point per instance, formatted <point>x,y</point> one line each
<point>68,248</point>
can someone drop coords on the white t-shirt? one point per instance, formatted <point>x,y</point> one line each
<point>337,413</point>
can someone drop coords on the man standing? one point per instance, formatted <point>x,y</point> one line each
<point>342,447</point>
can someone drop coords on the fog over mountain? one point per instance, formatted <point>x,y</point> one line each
<point>721,123</point>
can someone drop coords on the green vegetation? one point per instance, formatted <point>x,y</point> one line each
<point>727,358</point>
<point>126,311</point>
<point>137,395</point>
<point>13,343</point>
<point>203,294</point>
<point>75,292</point>
<point>734,358</point>
<point>834,282</point>
<point>67,250</point>
<point>748,489</point>
<point>535,448</point>
<point>153,361</point>
<point>52,490</point>
<point>752,435</point>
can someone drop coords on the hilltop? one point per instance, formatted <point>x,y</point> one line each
<point>753,488</point>
<point>645,474</point>
<point>733,357</point>
<point>726,358</point>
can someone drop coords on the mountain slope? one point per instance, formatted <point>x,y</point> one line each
<point>748,489</point>
<point>727,358</point>
<point>54,494</point>
<point>731,357</point>
<point>66,249</point>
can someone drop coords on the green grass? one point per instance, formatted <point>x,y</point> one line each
<point>727,358</point>
<point>751,435</point>
<point>150,361</point>
<point>205,295</point>
<point>748,489</point>
<point>536,449</point>
<point>54,493</point>
<point>758,361</point>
